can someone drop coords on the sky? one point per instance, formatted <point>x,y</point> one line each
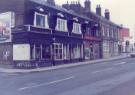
<point>121,11</point>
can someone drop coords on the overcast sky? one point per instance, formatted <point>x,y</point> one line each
<point>122,11</point>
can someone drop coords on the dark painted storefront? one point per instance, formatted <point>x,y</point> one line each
<point>47,35</point>
<point>43,42</point>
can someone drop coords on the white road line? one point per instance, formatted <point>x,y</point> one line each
<point>30,84</point>
<point>99,71</point>
<point>121,63</point>
<point>95,72</point>
<point>44,84</point>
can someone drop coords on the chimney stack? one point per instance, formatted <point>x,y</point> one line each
<point>66,6</point>
<point>51,2</point>
<point>99,10</point>
<point>87,5</point>
<point>107,14</point>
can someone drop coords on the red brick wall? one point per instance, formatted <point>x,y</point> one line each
<point>124,32</point>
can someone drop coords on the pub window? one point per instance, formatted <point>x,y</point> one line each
<point>76,28</point>
<point>61,25</point>
<point>32,52</point>
<point>58,51</point>
<point>40,20</point>
<point>77,51</point>
<point>46,52</point>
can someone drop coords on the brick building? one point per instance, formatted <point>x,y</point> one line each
<point>45,34</point>
<point>124,38</point>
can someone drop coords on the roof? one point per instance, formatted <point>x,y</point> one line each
<point>104,19</point>
<point>60,8</point>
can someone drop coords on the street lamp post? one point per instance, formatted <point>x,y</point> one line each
<point>53,58</point>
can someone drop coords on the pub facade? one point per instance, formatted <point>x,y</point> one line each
<point>44,34</point>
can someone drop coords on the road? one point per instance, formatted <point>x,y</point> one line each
<point>107,78</point>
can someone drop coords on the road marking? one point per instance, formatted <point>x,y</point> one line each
<point>8,74</point>
<point>44,84</point>
<point>121,63</point>
<point>30,84</point>
<point>99,71</point>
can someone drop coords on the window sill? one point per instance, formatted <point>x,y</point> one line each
<point>41,27</point>
<point>60,30</point>
<point>77,33</point>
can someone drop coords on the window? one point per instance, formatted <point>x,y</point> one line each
<point>112,33</point>
<point>58,51</point>
<point>88,31</point>
<point>103,31</point>
<point>105,46</point>
<point>32,52</point>
<point>66,52</point>
<point>41,20</point>
<point>76,28</point>
<point>61,25</point>
<point>46,52</point>
<point>39,52</point>
<point>108,32</point>
<point>76,51</point>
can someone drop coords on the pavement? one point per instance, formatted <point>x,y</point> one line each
<point>12,70</point>
<point>110,77</point>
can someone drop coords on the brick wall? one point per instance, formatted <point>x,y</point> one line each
<point>16,6</point>
<point>6,53</point>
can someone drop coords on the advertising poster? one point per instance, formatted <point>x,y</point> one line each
<point>5,27</point>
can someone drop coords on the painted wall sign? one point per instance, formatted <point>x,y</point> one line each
<point>6,20</point>
<point>21,52</point>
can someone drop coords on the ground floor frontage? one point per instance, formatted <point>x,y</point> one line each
<point>110,48</point>
<point>92,50</point>
<point>31,50</point>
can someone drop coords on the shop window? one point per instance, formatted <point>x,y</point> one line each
<point>77,51</point>
<point>66,52</point>
<point>38,52</point>
<point>46,52</point>
<point>58,51</point>
<point>32,52</point>
<point>87,53</point>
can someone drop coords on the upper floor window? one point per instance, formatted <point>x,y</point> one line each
<point>112,34</point>
<point>76,28</point>
<point>61,25</point>
<point>40,20</point>
<point>103,31</point>
<point>108,32</point>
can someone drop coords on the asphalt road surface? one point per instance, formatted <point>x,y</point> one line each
<point>107,78</point>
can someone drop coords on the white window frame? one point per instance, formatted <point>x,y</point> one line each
<point>77,51</point>
<point>55,58</point>
<point>61,25</point>
<point>103,31</point>
<point>76,28</point>
<point>46,20</point>
<point>108,32</point>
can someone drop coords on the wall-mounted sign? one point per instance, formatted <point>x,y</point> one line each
<point>21,52</point>
<point>6,22</point>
